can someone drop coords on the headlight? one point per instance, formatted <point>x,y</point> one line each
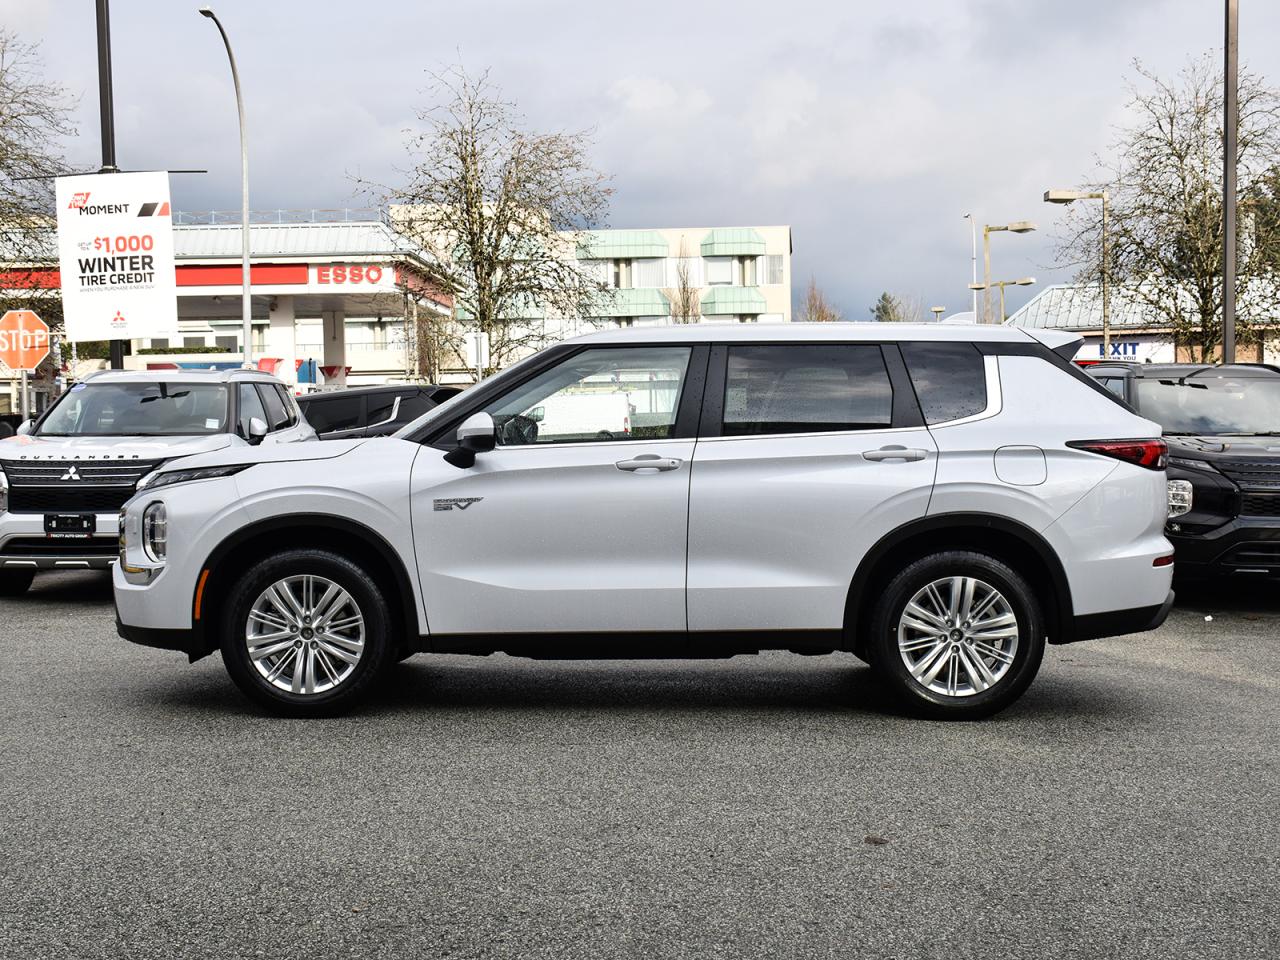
<point>155,532</point>
<point>158,479</point>
<point>1188,464</point>
<point>1180,497</point>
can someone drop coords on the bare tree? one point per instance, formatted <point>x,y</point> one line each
<point>33,119</point>
<point>1165,184</point>
<point>504,211</point>
<point>816,307</point>
<point>685,297</point>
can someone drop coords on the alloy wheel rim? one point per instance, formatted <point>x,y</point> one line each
<point>958,636</point>
<point>305,635</point>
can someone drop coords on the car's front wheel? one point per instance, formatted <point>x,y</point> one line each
<point>308,633</point>
<point>14,583</point>
<point>958,635</point>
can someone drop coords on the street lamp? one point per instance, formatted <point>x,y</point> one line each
<point>973,260</point>
<point>1022,282</point>
<point>939,311</point>
<point>1017,226</point>
<point>1071,196</point>
<point>246,309</point>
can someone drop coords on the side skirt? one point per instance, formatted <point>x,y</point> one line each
<point>635,645</point>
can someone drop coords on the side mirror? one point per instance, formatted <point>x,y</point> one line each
<point>26,427</point>
<point>257,430</point>
<point>476,434</point>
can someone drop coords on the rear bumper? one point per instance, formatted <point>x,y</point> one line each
<point>1117,623</point>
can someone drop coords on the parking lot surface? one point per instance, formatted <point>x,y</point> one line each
<point>760,806</point>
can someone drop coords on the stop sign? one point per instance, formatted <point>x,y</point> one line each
<point>24,340</point>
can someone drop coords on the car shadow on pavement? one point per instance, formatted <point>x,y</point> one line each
<point>79,587</point>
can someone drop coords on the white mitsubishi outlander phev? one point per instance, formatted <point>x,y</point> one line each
<point>941,501</point>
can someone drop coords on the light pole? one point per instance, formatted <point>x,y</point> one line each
<point>1018,226</point>
<point>973,261</point>
<point>1230,137</point>
<point>246,308</point>
<point>939,311</point>
<point>1071,196</point>
<point>1023,282</point>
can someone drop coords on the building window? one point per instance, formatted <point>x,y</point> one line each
<point>227,344</point>
<point>748,271</point>
<point>159,343</point>
<point>773,268</point>
<point>193,341</point>
<point>649,272</point>
<point>719,271</point>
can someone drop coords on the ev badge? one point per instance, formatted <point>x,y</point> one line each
<point>461,503</point>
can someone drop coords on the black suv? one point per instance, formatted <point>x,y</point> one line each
<point>370,411</point>
<point>1222,423</point>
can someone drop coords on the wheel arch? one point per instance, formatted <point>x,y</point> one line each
<point>357,542</point>
<point>1014,543</point>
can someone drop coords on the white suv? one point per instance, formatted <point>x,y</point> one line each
<point>65,476</point>
<point>938,500</point>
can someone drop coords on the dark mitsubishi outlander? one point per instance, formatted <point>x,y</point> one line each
<point>1222,423</point>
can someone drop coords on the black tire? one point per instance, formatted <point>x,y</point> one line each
<point>14,583</point>
<point>379,649</point>
<point>888,660</point>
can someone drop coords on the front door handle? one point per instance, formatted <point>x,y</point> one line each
<point>895,452</point>
<point>648,461</point>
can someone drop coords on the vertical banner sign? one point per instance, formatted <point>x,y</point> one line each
<point>115,251</point>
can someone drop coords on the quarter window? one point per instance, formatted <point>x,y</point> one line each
<point>601,394</point>
<point>278,416</point>
<point>806,388</point>
<point>950,379</point>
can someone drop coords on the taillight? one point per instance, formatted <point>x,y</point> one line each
<point>1152,454</point>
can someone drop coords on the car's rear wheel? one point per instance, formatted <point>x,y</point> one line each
<point>958,635</point>
<point>307,634</point>
<point>14,583</point>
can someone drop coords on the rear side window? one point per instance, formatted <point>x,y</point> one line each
<point>336,413</point>
<point>414,405</point>
<point>950,379</point>
<point>380,407</point>
<point>806,388</point>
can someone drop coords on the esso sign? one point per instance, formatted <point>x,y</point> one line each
<point>354,274</point>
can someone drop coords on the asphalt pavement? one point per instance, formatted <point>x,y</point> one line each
<point>768,806</point>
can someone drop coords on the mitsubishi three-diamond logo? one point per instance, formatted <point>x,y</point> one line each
<point>71,474</point>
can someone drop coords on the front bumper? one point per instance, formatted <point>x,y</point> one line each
<point>1246,546</point>
<point>25,545</point>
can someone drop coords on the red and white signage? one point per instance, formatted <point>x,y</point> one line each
<point>353,276</point>
<point>24,340</point>
<point>115,254</point>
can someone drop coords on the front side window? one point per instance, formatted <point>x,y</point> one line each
<point>1212,406</point>
<point>250,407</point>
<point>806,388</point>
<point>144,409</point>
<point>950,379</point>
<point>601,394</point>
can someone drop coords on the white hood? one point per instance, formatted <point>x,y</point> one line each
<point>112,448</point>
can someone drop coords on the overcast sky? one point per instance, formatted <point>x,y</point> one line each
<point>871,127</point>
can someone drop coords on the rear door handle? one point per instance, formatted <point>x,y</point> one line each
<point>648,461</point>
<point>895,453</point>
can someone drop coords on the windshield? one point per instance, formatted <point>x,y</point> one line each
<point>150,409</point>
<point>1213,406</point>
